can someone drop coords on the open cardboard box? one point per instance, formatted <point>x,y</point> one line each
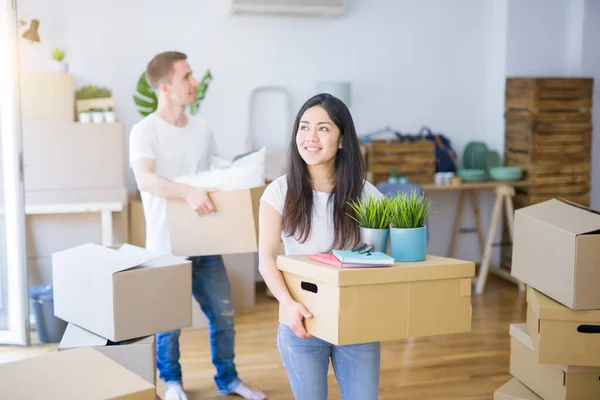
<point>358,305</point>
<point>556,249</point>
<point>561,335</point>
<point>550,381</point>
<point>121,293</point>
<point>232,229</point>
<point>137,355</point>
<point>76,374</point>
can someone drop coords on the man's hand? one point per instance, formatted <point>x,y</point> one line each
<point>198,199</point>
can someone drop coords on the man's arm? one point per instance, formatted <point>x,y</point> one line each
<point>149,181</point>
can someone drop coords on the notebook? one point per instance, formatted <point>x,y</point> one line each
<point>330,259</point>
<point>353,257</point>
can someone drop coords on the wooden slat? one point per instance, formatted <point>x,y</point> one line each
<point>526,198</point>
<point>393,159</point>
<point>382,146</point>
<point>551,83</point>
<point>546,94</point>
<point>557,116</point>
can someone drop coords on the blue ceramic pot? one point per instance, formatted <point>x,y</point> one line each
<point>409,245</point>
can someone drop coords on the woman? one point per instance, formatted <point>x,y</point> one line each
<point>307,209</point>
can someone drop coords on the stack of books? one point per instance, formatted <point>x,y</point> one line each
<point>354,259</point>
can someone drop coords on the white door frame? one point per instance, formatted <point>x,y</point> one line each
<point>12,156</point>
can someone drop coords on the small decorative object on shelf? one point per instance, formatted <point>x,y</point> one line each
<point>109,116</point>
<point>58,56</point>
<point>85,117</point>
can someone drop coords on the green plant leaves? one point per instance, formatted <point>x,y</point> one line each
<point>144,97</point>
<point>398,211</point>
<point>409,211</point>
<point>371,213</point>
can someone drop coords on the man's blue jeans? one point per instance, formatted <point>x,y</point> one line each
<point>210,287</point>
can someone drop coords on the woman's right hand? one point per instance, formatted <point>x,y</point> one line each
<point>293,314</point>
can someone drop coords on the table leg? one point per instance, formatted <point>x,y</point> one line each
<point>489,244</point>
<point>476,215</point>
<point>456,225</point>
<point>510,214</point>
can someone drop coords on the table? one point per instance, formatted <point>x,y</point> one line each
<point>505,191</point>
<point>104,208</point>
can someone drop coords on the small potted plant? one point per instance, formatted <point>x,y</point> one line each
<point>408,232</point>
<point>373,219</point>
<point>58,56</point>
<point>85,116</point>
<point>97,115</point>
<point>109,115</point>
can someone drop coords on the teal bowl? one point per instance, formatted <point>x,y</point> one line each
<point>471,175</point>
<point>506,174</point>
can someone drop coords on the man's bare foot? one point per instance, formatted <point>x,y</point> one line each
<point>248,393</point>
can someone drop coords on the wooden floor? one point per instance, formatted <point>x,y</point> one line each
<point>465,366</point>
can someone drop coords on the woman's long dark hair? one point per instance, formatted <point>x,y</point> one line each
<point>349,175</point>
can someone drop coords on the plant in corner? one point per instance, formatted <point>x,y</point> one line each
<point>373,218</point>
<point>408,232</point>
<point>146,99</point>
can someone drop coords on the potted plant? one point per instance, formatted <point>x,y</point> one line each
<point>97,115</point>
<point>109,115</point>
<point>408,232</point>
<point>85,117</point>
<point>90,97</point>
<point>373,220</point>
<point>58,56</point>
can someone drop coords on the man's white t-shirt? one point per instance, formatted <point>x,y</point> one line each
<point>176,151</point>
<point>321,234</point>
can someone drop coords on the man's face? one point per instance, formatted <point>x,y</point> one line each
<point>182,89</point>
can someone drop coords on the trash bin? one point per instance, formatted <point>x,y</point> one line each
<point>50,329</point>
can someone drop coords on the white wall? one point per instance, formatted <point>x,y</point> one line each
<point>538,37</point>
<point>591,67</point>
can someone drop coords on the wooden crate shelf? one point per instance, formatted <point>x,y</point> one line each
<point>529,141</point>
<point>414,160</point>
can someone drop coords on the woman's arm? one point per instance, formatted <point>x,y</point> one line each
<point>269,234</point>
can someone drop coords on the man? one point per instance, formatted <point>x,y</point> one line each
<point>164,145</point>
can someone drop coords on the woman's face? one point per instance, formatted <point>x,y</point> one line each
<point>318,138</point>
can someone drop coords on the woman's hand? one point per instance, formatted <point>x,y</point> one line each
<point>293,314</point>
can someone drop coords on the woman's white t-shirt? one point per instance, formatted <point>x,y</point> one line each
<point>321,232</point>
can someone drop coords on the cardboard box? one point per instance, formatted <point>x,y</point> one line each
<point>47,97</point>
<point>561,335</point>
<point>137,355</point>
<point>556,249</point>
<point>550,381</point>
<point>77,374</point>
<point>232,229</point>
<point>121,293</point>
<point>515,390</point>
<point>358,305</point>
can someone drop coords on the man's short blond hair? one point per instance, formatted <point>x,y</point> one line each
<point>160,68</point>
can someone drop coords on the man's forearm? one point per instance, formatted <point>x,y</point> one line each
<point>162,187</point>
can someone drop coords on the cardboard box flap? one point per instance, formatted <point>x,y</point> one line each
<point>79,373</point>
<point>432,268</point>
<point>515,390</point>
<point>548,309</point>
<point>519,332</point>
<point>564,215</point>
<point>165,261</point>
<point>75,336</point>
<point>104,258</point>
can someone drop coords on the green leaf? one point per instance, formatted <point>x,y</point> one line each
<point>145,98</point>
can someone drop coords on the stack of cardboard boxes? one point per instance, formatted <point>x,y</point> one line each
<point>556,354</point>
<point>115,299</point>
